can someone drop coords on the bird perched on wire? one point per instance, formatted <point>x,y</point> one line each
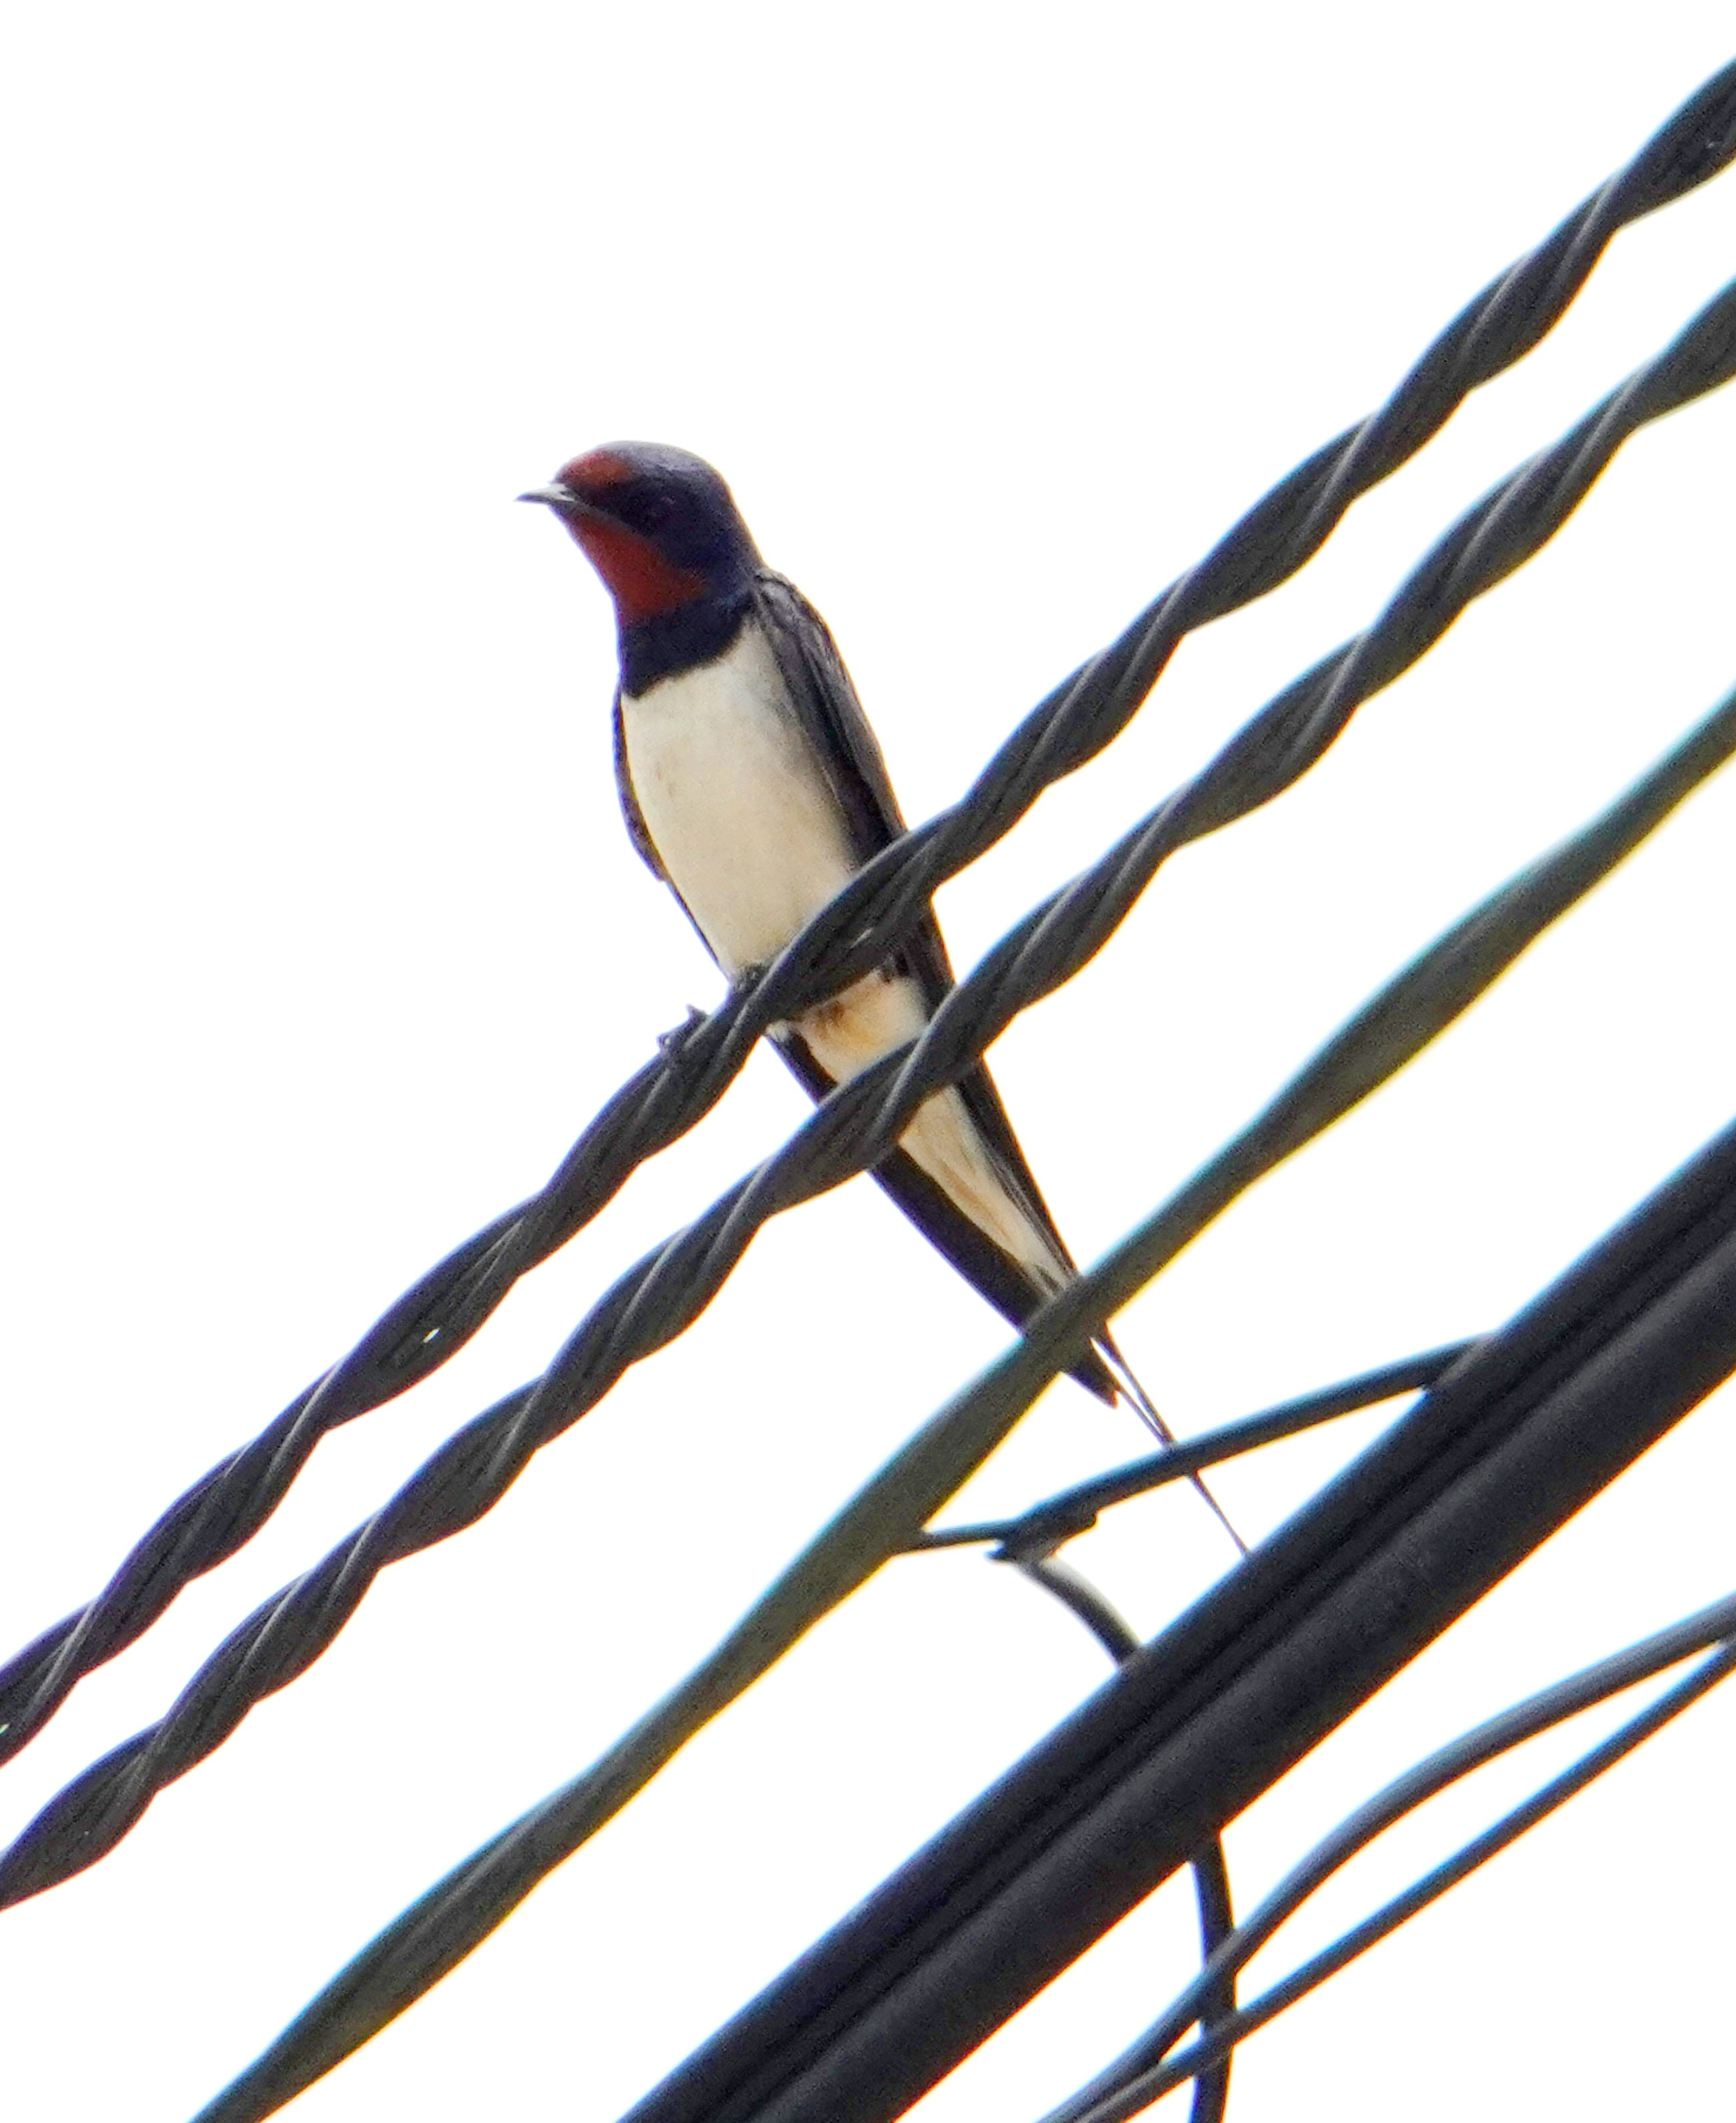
<point>752,785</point>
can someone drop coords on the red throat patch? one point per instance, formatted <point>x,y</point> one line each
<point>641,581</point>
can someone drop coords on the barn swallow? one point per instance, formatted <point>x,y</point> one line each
<point>753,787</point>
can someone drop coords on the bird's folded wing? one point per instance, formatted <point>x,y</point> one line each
<point>820,689</point>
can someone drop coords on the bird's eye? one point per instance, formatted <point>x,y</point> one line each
<point>646,508</point>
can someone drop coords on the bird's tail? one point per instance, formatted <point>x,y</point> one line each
<point>1140,1401</point>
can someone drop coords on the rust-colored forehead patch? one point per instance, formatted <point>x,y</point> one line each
<point>595,472</point>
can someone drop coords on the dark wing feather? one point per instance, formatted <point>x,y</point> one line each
<point>637,831</point>
<point>993,1273</point>
<point>825,700</point>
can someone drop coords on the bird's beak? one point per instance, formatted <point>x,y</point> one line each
<point>560,499</point>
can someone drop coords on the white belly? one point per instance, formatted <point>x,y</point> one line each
<point>750,835</point>
<point>869,1020</point>
<point>743,822</point>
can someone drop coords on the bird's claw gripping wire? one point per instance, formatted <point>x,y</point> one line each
<point>671,1042</point>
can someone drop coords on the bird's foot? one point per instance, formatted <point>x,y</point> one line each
<point>743,982</point>
<point>673,1041</point>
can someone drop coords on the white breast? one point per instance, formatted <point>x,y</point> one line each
<point>735,802</point>
<point>750,836</point>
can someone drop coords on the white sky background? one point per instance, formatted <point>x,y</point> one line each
<point>324,940</point>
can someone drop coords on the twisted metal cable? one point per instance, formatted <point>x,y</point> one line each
<point>434,1319</point>
<point>1543,1416</point>
<point>1146,2072</point>
<point>665,1291</point>
<point>861,1121</point>
<point>414,1953</point>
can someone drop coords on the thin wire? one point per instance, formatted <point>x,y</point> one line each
<point>1143,1406</point>
<point>1075,1510</point>
<point>1209,1867</point>
<point>657,1299</point>
<point>440,1313</point>
<point>1131,2083</point>
<point>412,1954</point>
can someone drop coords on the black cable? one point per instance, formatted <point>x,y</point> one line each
<point>438,1315</point>
<point>1210,1869</point>
<point>1140,2076</point>
<point>671,1285</point>
<point>429,1939</point>
<point>1191,1731</point>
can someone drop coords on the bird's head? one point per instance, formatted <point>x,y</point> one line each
<point>658,524</point>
